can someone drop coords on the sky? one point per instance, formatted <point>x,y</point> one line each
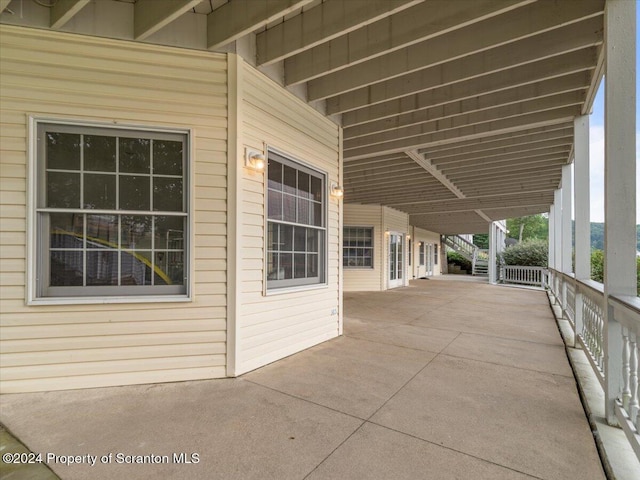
<point>596,144</point>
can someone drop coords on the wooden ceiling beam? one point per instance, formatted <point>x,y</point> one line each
<point>236,19</point>
<point>509,27</point>
<point>392,33</point>
<point>321,24</point>
<point>149,16</point>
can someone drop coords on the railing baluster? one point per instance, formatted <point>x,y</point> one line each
<point>616,363</point>
<point>601,342</point>
<point>626,369</point>
<point>633,405</point>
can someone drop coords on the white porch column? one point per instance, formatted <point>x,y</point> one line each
<point>567,243</point>
<point>493,241</point>
<point>566,237</point>
<point>552,238</point>
<point>619,181</point>
<point>557,229</point>
<point>557,243</point>
<point>582,212</point>
<point>552,253</point>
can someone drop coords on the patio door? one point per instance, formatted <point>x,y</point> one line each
<point>429,259</point>
<point>396,260</point>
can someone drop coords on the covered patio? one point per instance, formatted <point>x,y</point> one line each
<point>453,114</point>
<point>446,378</point>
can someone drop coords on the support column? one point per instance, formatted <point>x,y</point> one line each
<point>619,181</point>
<point>557,228</point>
<point>557,243</point>
<point>566,240</point>
<point>583,220</point>
<point>492,252</point>
<point>551,256</point>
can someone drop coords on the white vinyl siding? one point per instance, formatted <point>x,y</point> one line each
<point>369,279</point>
<point>383,220</point>
<point>274,324</point>
<point>71,77</point>
<point>426,238</point>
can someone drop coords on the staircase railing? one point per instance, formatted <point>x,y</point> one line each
<point>478,257</point>
<point>460,245</point>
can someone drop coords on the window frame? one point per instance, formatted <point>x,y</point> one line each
<point>422,254</point>
<point>38,247</point>
<point>293,285</point>
<point>362,267</point>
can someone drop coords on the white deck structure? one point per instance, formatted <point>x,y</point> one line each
<point>457,113</point>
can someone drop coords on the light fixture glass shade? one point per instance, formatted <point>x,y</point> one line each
<point>254,160</point>
<point>337,191</point>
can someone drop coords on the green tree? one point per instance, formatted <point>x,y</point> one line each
<point>530,227</point>
<point>481,240</point>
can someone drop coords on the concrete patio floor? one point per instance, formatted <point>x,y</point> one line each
<point>444,379</point>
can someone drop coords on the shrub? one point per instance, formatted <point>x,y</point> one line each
<point>530,253</point>
<point>457,259</point>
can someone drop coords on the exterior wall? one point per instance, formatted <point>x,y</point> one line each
<point>430,238</point>
<point>366,279</point>
<point>382,219</point>
<point>54,75</point>
<point>268,325</point>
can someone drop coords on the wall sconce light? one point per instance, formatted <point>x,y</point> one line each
<point>336,190</point>
<point>408,237</point>
<point>254,160</point>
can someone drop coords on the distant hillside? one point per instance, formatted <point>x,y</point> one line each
<point>597,236</point>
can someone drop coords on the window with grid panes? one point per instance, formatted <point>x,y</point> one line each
<point>112,213</point>
<point>357,247</point>
<point>296,232</point>
<point>421,251</point>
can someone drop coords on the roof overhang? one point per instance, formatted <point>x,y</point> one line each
<point>458,113</point>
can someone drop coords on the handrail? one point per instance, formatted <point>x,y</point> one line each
<point>459,239</point>
<point>596,287</point>
<point>478,257</point>
<point>627,301</point>
<point>608,328</point>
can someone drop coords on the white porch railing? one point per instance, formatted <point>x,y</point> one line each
<point>519,275</point>
<point>583,304</point>
<point>626,311</point>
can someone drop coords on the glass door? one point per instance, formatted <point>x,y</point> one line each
<point>396,260</point>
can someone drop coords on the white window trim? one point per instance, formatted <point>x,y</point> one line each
<point>373,247</point>
<point>266,291</point>
<point>32,218</point>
